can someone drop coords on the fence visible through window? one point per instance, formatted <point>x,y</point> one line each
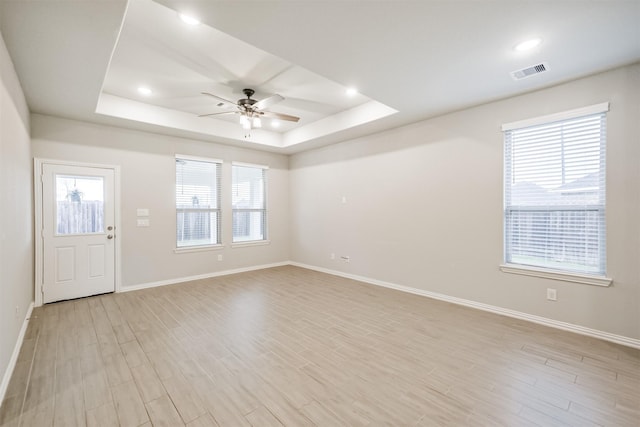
<point>565,239</point>
<point>79,204</point>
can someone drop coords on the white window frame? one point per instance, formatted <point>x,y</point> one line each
<point>218,211</point>
<point>598,280</point>
<point>264,210</point>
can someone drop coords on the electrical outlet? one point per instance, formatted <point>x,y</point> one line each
<point>345,258</point>
<point>552,295</point>
<point>219,257</point>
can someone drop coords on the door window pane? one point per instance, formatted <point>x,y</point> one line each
<point>79,204</point>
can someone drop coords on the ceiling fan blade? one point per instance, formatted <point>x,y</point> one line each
<point>280,116</point>
<point>226,101</point>
<point>267,102</point>
<point>217,114</point>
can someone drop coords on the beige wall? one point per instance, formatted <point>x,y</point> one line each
<point>16,224</point>
<point>147,165</point>
<point>424,206</point>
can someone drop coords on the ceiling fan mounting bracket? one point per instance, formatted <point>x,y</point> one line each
<point>247,102</point>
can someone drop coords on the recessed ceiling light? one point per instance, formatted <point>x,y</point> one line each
<point>275,124</point>
<point>527,44</point>
<point>351,91</point>
<point>142,90</point>
<point>189,20</point>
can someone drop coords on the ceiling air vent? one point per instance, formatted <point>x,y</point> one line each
<point>530,71</point>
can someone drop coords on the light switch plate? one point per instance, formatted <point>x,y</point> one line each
<point>143,212</point>
<point>143,222</point>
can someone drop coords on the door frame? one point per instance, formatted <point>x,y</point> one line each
<point>38,164</point>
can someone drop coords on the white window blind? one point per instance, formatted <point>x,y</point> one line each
<point>554,194</point>
<point>197,202</point>
<point>249,203</point>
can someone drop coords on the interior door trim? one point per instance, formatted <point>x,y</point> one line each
<point>38,164</point>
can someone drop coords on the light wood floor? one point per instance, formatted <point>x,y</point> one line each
<point>288,346</point>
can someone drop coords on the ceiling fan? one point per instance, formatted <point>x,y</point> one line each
<point>251,110</point>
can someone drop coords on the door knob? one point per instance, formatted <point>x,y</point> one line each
<point>110,228</point>
<point>109,236</point>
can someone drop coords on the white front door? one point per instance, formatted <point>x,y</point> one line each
<point>78,233</point>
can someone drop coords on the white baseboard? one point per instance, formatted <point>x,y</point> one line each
<point>200,277</point>
<point>14,356</point>
<point>618,339</point>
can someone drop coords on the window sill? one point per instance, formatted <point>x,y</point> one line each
<point>250,243</point>
<point>189,249</point>
<point>556,275</point>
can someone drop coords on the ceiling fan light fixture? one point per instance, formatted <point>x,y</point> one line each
<point>244,121</point>
<point>251,111</point>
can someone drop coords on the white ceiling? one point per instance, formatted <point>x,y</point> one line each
<point>156,49</point>
<point>410,60</point>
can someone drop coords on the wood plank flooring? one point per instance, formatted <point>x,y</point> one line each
<point>292,347</point>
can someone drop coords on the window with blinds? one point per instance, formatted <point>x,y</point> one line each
<point>197,202</point>
<point>249,202</point>
<point>554,192</point>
